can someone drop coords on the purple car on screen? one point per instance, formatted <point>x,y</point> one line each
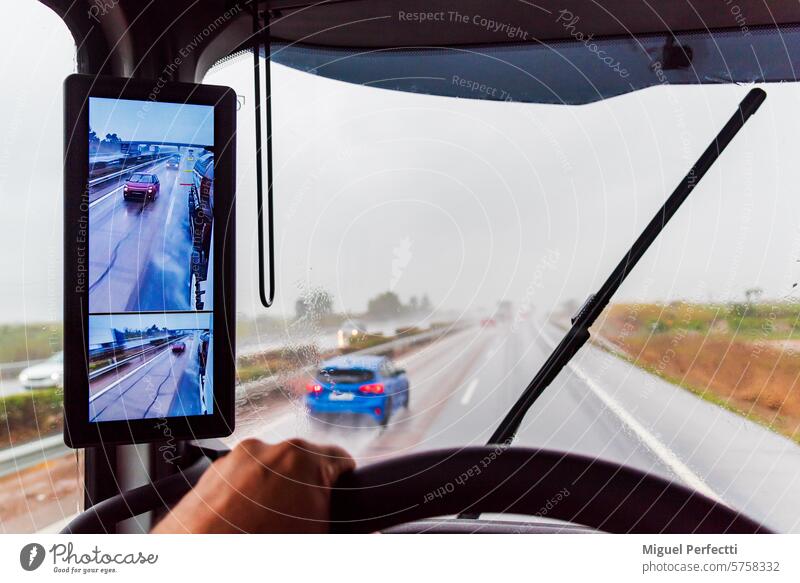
<point>141,186</point>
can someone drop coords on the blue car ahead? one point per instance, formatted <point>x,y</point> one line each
<point>368,385</point>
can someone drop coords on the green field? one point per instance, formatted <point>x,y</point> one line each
<point>30,415</point>
<point>20,342</point>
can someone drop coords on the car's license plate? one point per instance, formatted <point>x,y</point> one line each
<point>341,396</point>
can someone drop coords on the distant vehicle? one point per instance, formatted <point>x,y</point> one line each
<point>349,329</point>
<point>140,185</point>
<point>49,373</point>
<point>353,328</point>
<point>366,385</point>
<point>178,347</point>
<point>173,162</point>
<point>504,311</point>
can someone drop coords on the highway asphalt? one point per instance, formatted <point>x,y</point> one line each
<point>600,406</point>
<point>151,386</point>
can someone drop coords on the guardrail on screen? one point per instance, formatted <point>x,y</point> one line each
<point>101,179</point>
<point>118,363</point>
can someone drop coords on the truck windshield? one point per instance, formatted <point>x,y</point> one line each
<point>453,238</point>
<point>464,233</point>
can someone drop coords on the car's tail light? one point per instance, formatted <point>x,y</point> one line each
<point>311,388</point>
<point>375,389</point>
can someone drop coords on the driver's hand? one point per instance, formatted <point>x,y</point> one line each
<point>262,488</point>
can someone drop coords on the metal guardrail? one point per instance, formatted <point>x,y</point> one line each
<point>32,453</point>
<point>9,369</point>
<point>101,179</point>
<point>382,348</point>
<point>115,365</point>
<point>405,341</point>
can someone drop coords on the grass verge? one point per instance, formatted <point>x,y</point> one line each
<point>31,415</point>
<point>741,358</point>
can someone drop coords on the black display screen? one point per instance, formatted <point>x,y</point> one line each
<point>150,259</point>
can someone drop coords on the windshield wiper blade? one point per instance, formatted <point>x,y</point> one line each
<point>578,334</point>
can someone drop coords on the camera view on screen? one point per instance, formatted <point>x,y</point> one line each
<point>151,203</point>
<point>150,365</point>
<point>151,209</point>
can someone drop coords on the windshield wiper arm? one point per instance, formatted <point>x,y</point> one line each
<point>578,334</point>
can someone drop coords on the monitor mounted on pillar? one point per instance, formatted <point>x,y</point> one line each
<point>149,261</point>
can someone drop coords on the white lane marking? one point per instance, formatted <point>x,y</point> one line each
<point>172,194</point>
<point>661,451</point>
<point>651,441</point>
<point>118,381</point>
<point>105,196</point>
<point>171,205</point>
<point>465,398</point>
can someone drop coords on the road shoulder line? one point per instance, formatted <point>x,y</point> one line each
<point>467,396</point>
<point>684,472</point>
<point>93,398</point>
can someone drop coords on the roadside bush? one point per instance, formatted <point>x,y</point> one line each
<point>363,341</point>
<point>745,357</point>
<point>265,364</point>
<point>408,331</point>
<point>28,416</point>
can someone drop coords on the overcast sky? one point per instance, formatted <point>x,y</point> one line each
<point>131,119</point>
<point>468,201</point>
<point>200,320</point>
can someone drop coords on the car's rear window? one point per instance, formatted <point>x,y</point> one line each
<point>345,375</point>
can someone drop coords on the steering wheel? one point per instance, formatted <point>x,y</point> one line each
<point>598,494</point>
<point>595,493</point>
